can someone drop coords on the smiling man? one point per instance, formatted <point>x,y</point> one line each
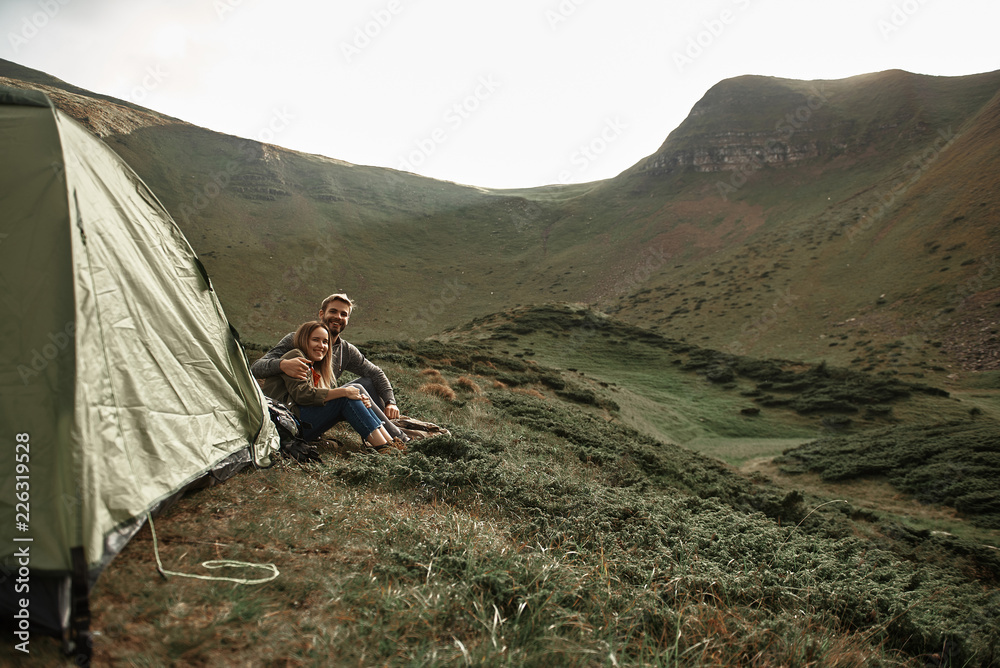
<point>335,312</point>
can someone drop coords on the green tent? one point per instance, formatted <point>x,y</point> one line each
<point>121,382</point>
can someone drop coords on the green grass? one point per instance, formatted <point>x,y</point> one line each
<point>563,523</point>
<point>543,530</point>
<point>696,396</point>
<point>954,463</point>
<point>737,451</point>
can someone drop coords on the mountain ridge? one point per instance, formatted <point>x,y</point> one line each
<point>753,210</point>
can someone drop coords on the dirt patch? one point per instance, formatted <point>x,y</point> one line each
<point>974,339</point>
<point>688,230</point>
<point>102,117</point>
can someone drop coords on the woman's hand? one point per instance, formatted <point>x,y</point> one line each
<point>357,394</point>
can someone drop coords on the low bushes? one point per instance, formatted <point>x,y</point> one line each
<point>954,463</point>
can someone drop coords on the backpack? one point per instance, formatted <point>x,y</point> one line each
<point>288,431</point>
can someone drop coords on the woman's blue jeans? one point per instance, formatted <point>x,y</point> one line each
<point>321,418</point>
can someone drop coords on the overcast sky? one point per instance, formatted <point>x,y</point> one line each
<point>501,93</point>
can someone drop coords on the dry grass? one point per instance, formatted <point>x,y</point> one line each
<point>469,385</point>
<point>433,374</point>
<point>438,390</point>
<point>529,392</point>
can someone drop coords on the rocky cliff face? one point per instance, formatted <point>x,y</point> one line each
<point>726,130</point>
<point>755,121</point>
<point>732,151</point>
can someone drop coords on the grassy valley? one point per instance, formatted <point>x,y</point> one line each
<point>739,405</point>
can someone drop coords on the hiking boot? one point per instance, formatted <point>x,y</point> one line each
<point>395,446</point>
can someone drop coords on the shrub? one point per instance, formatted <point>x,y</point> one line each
<point>720,374</point>
<point>529,391</point>
<point>953,463</point>
<point>581,396</point>
<point>438,390</point>
<point>469,385</point>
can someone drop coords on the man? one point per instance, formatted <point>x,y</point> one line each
<point>335,313</point>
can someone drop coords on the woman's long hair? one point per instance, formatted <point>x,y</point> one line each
<point>325,365</point>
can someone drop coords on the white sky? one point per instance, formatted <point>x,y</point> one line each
<point>501,93</point>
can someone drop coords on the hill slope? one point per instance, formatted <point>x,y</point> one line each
<point>543,530</point>
<point>827,236</point>
<point>850,220</point>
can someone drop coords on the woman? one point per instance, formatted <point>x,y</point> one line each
<point>318,405</point>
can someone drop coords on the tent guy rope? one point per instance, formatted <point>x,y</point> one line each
<point>216,563</point>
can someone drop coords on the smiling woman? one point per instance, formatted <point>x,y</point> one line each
<point>314,340</point>
<point>318,344</point>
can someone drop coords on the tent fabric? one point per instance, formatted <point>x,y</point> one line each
<point>117,359</point>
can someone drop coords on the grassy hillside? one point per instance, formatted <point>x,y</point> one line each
<point>850,221</point>
<point>546,530</point>
<point>689,394</point>
<point>952,463</point>
<point>736,406</point>
<point>285,229</point>
<point>845,255</point>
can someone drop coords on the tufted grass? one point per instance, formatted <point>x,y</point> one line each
<point>543,531</point>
